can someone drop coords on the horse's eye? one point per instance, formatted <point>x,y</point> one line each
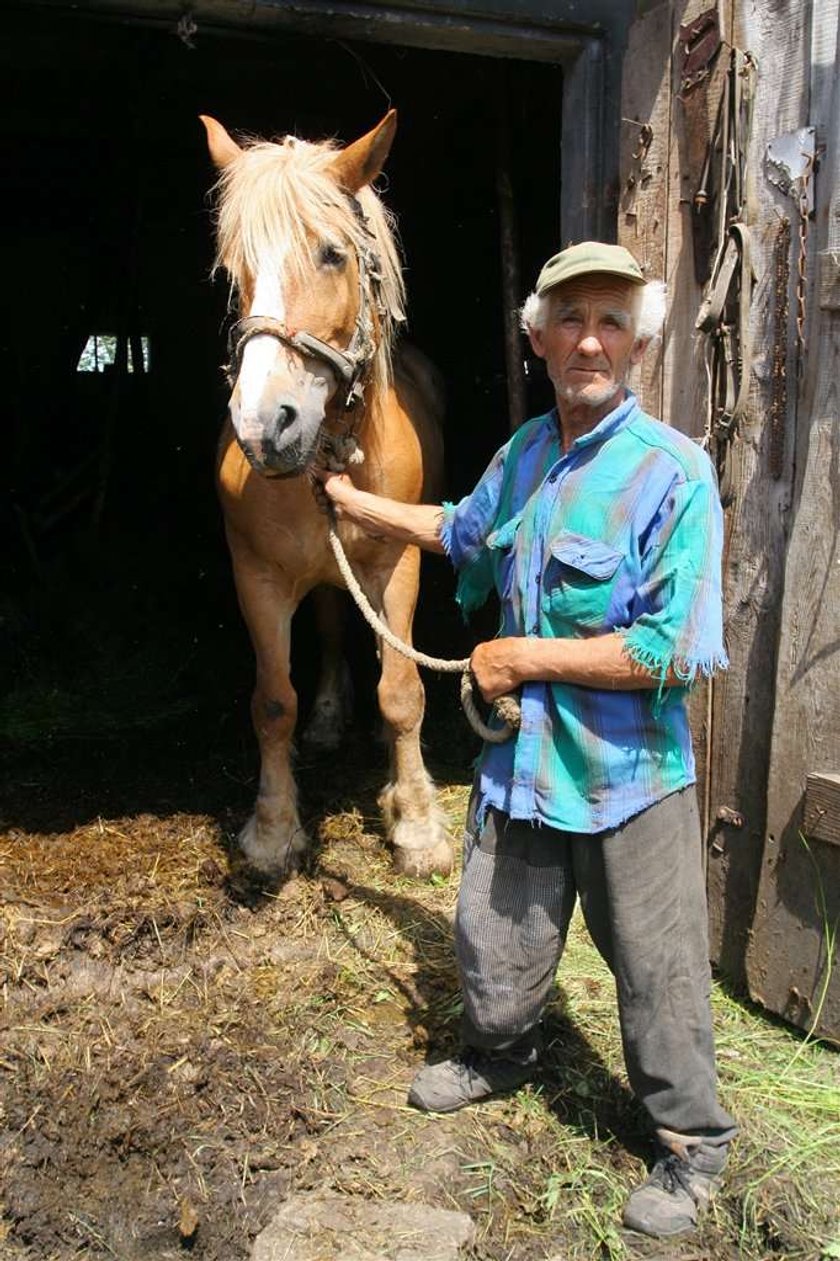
<point>332,256</point>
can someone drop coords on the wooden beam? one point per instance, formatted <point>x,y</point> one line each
<point>822,807</point>
<point>744,698</point>
<point>799,893</point>
<point>582,186</point>
<point>533,32</point>
<point>645,169</point>
<point>511,295</point>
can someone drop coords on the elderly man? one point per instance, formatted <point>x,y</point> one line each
<point>600,529</point>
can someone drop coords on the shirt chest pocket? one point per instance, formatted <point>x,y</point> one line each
<point>501,544</point>
<point>578,581</point>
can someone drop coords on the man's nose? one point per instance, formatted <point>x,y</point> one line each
<point>590,343</point>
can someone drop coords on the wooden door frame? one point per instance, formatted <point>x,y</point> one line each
<point>589,54</point>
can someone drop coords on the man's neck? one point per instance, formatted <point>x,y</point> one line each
<point>577,419</point>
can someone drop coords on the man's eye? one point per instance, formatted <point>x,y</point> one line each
<point>332,256</point>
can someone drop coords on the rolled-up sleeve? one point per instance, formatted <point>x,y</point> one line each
<point>464,531</point>
<point>679,623</point>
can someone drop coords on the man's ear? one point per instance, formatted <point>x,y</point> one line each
<point>535,337</point>
<point>640,345</point>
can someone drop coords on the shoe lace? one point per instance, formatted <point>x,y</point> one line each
<point>471,1060</point>
<point>672,1172</point>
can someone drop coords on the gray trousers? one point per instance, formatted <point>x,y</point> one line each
<point>643,897</point>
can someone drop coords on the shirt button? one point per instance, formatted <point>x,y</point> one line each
<point>553,477</point>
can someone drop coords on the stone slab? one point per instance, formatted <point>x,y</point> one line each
<point>317,1227</point>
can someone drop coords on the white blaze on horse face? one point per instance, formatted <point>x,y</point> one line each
<point>259,357</point>
<point>279,399</point>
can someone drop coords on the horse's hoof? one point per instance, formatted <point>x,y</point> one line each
<point>437,860</point>
<point>267,858</point>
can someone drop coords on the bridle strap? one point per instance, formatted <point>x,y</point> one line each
<point>342,362</point>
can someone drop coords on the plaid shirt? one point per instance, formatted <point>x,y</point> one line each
<point>621,533</point>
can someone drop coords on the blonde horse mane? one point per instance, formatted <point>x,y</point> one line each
<point>275,199</point>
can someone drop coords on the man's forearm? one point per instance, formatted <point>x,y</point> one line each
<point>501,665</point>
<point>601,662</point>
<point>387,518</point>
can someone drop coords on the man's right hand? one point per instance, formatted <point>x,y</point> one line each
<point>379,517</point>
<point>334,488</point>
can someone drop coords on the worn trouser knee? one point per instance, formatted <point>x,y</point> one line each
<point>515,901</point>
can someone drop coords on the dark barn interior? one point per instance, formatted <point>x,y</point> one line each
<point>123,647</point>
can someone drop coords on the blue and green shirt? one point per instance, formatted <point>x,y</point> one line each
<point>621,533</point>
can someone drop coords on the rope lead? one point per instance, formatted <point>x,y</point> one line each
<point>506,707</point>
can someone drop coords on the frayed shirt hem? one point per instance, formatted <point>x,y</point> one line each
<point>486,802</point>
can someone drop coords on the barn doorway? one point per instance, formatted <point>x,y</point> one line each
<point>119,612</point>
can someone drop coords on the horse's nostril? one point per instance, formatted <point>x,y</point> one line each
<point>286,415</point>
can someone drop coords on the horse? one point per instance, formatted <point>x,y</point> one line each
<point>316,371</point>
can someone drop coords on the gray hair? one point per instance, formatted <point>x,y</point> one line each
<point>649,316</point>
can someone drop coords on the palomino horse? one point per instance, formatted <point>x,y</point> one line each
<point>312,258</point>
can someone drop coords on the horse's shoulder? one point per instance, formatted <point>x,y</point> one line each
<point>414,368</point>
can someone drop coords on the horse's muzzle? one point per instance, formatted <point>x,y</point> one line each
<point>278,433</point>
<point>269,461</point>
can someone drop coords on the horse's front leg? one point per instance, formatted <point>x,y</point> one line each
<point>413,818</point>
<point>273,837</point>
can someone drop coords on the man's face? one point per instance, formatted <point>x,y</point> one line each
<point>588,341</point>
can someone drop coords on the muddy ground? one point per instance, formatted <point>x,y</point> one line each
<point>184,1051</point>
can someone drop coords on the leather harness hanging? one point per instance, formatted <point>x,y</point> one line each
<point>724,315</point>
<point>701,42</point>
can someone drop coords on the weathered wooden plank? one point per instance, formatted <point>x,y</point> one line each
<point>754,566</point>
<point>684,383</point>
<point>799,894</point>
<point>644,165</point>
<point>582,193</point>
<point>684,377</point>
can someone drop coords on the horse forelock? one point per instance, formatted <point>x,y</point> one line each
<point>275,199</point>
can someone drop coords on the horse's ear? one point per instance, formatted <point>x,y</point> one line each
<point>361,162</point>
<point>222,149</point>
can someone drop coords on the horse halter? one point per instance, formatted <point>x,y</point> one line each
<point>349,365</point>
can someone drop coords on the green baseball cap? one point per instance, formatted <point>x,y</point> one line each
<point>589,256</point>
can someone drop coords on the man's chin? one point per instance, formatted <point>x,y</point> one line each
<point>589,395</point>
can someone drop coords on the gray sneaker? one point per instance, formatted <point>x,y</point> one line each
<point>467,1077</point>
<point>676,1192</point>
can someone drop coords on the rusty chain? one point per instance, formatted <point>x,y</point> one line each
<point>804,220</point>
<point>778,376</point>
<point>781,316</point>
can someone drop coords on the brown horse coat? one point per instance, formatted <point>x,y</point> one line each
<point>302,236</point>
